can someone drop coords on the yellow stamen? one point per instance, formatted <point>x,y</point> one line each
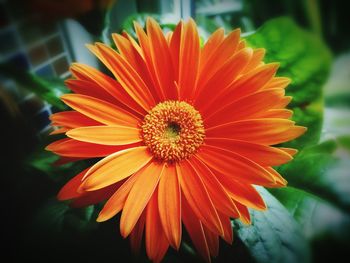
<point>173,131</point>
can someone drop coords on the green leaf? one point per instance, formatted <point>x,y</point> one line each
<point>48,89</point>
<point>318,171</point>
<point>305,59</point>
<point>317,217</point>
<point>55,217</point>
<point>273,236</point>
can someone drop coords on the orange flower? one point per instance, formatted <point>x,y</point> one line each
<point>184,133</point>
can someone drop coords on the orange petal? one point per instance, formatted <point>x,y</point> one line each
<point>94,197</point>
<point>278,82</point>
<point>290,151</point>
<point>262,131</point>
<point>156,242</point>
<point>219,57</point>
<point>210,46</point>
<point>189,59</point>
<point>106,135</point>
<point>197,196</point>
<point>116,203</point>
<point>226,225</point>
<point>245,108</point>
<point>72,119</point>
<point>212,241</point>
<point>283,102</point>
<point>258,153</point>
<point>195,230</point>
<point>129,79</point>
<point>100,111</point>
<point>128,51</point>
<point>280,181</point>
<point>255,61</point>
<point>137,233</point>
<point>218,195</point>
<point>169,203</point>
<point>174,47</point>
<point>71,148</point>
<point>107,84</point>
<point>277,113</point>
<point>249,83</point>
<point>116,167</point>
<point>89,88</point>
<point>161,58</point>
<point>243,193</point>
<point>147,180</point>
<point>69,190</point>
<point>145,50</point>
<point>58,131</point>
<point>225,75</point>
<point>234,165</point>
<point>245,216</point>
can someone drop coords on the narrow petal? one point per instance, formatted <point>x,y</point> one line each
<point>249,83</point>
<point>94,197</point>
<point>137,233</point>
<point>195,230</point>
<point>197,196</point>
<point>217,192</point>
<point>106,135</point>
<point>100,111</point>
<point>243,193</point>
<point>256,60</point>
<point>189,59</point>
<point>140,194</point>
<point>290,151</point>
<point>116,203</point>
<point>245,108</point>
<point>116,167</point>
<point>69,190</point>
<point>174,47</point>
<point>278,82</point>
<point>226,225</point>
<point>145,50</point>
<point>225,75</point>
<point>219,57</point>
<point>89,88</point>
<point>245,216</point>
<point>76,149</point>
<point>129,79</point>
<point>277,113</point>
<point>72,119</point>
<point>156,241</point>
<point>58,131</point>
<point>210,47</point>
<point>280,181</point>
<point>258,153</point>
<point>132,55</point>
<point>234,165</point>
<point>262,131</point>
<point>169,202</point>
<point>107,84</point>
<point>161,58</point>
<point>212,241</point>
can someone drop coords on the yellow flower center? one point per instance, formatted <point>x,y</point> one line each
<point>173,131</point>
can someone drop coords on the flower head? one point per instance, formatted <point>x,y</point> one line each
<point>184,133</point>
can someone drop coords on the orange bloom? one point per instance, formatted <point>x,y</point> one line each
<point>184,133</point>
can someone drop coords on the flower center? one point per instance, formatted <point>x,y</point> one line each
<point>173,130</point>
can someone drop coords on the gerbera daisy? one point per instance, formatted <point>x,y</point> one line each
<point>184,133</point>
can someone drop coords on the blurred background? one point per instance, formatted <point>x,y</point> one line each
<point>39,39</point>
